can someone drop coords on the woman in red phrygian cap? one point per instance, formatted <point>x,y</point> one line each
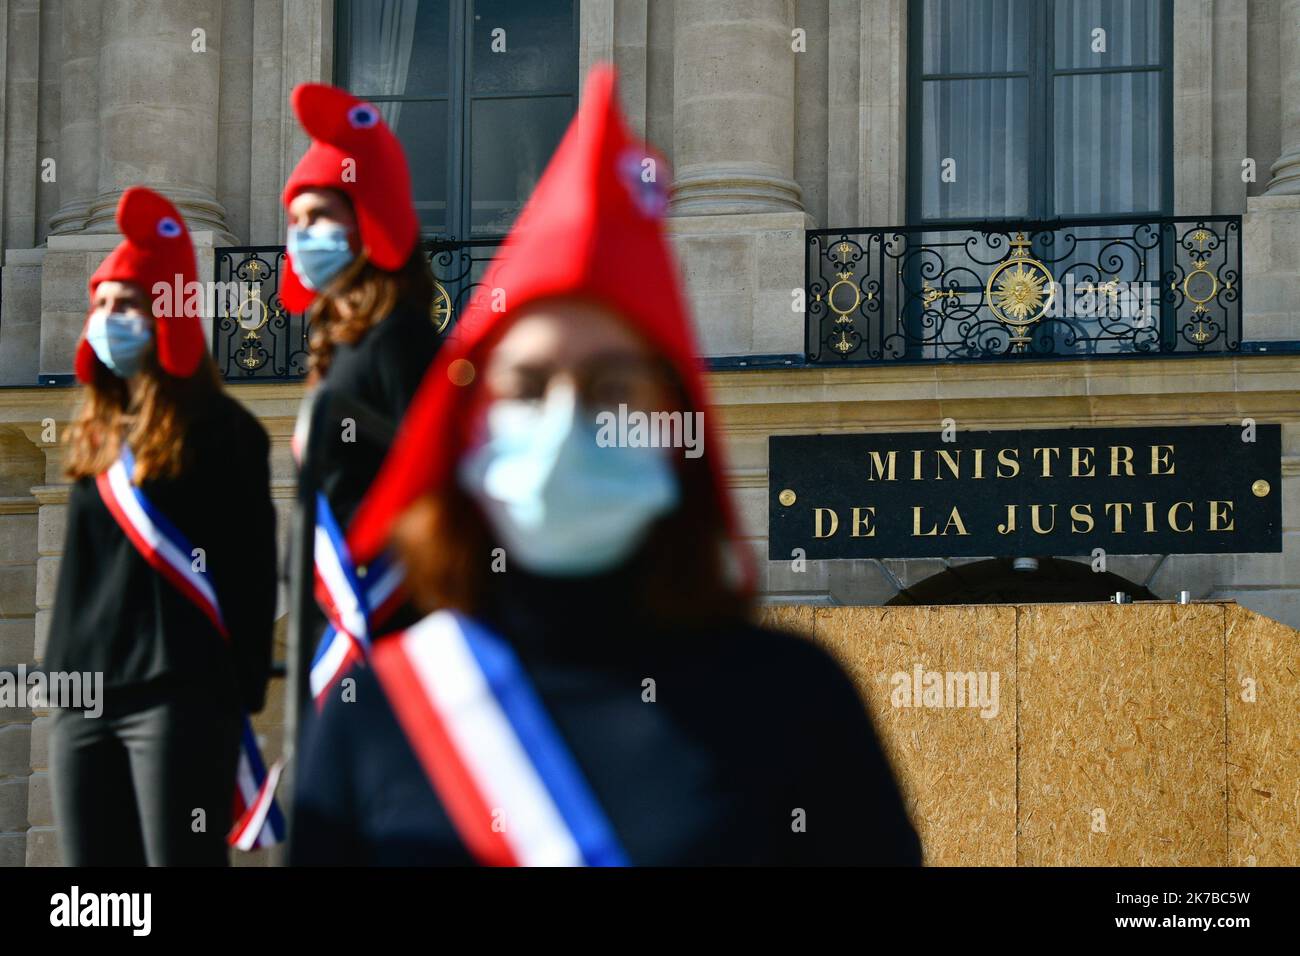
<point>354,265</point>
<point>127,785</point>
<point>591,690</point>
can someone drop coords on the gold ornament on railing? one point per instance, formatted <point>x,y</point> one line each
<point>440,308</point>
<point>844,280</point>
<point>1020,291</point>
<point>251,316</point>
<point>1200,286</point>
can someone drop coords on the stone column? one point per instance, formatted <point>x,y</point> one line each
<point>21,467</point>
<point>79,106</point>
<point>1286,171</point>
<point>1271,250</point>
<point>734,107</point>
<point>20,165</point>
<point>52,500</point>
<point>305,54</point>
<point>158,119</point>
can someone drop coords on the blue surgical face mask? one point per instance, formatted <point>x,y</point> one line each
<point>560,504</point>
<point>119,340</point>
<point>319,253</point>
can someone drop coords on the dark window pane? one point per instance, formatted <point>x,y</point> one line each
<point>1108,143</point>
<point>975,36</point>
<point>513,140</point>
<point>397,47</point>
<point>982,126</point>
<point>539,53</point>
<point>1132,33</point>
<point>422,128</point>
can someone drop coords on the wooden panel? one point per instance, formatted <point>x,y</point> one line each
<point>956,763</point>
<point>1122,735</point>
<point>1122,710</point>
<point>1263,697</point>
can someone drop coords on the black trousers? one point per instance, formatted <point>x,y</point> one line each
<point>149,781</point>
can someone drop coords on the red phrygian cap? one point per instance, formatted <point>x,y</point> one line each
<point>352,150</point>
<point>156,248</point>
<point>592,229</point>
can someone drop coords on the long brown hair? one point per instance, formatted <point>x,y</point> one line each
<point>361,296</point>
<point>154,419</point>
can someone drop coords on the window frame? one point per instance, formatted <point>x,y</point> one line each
<point>1041,73</point>
<point>460,105</point>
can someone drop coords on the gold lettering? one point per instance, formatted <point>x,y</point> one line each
<point>1047,459</point>
<point>1077,462</point>
<point>946,457</point>
<point>1011,458</point>
<point>1158,460</point>
<point>1122,510</point>
<point>1008,526</point>
<point>955,519</point>
<point>1215,517</point>
<point>1081,513</point>
<point>1033,520</point>
<point>1116,459</point>
<point>916,465</point>
<point>979,463</point>
<point>884,467</point>
<point>916,525</point>
<point>1173,517</point>
<point>817,521</point>
<point>863,521</point>
<point>1151,515</point>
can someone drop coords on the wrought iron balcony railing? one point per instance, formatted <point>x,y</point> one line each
<point>984,290</point>
<point>258,339</point>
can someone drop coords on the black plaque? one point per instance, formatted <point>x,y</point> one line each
<point>1200,489</point>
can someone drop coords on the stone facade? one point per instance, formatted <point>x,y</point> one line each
<point>765,143</point>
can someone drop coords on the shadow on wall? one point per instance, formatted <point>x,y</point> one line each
<point>998,581</point>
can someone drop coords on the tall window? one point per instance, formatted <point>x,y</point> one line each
<point>1037,109</point>
<point>478,91</point>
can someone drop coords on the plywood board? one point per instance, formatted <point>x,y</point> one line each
<point>1263,750</point>
<point>1121,735</point>
<point>955,759</point>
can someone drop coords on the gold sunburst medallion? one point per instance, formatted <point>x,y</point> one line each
<point>1020,293</point>
<point>1020,290</point>
<point>440,309</point>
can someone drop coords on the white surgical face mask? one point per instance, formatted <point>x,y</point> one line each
<point>119,340</point>
<point>319,253</point>
<point>561,504</point>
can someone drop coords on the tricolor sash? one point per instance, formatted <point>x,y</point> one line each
<point>509,783</point>
<point>259,822</point>
<point>355,601</point>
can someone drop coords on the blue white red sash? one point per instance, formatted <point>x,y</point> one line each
<point>355,601</point>
<point>491,752</point>
<point>259,822</point>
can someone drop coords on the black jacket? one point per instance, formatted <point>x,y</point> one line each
<point>749,727</point>
<point>115,614</point>
<point>381,372</point>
